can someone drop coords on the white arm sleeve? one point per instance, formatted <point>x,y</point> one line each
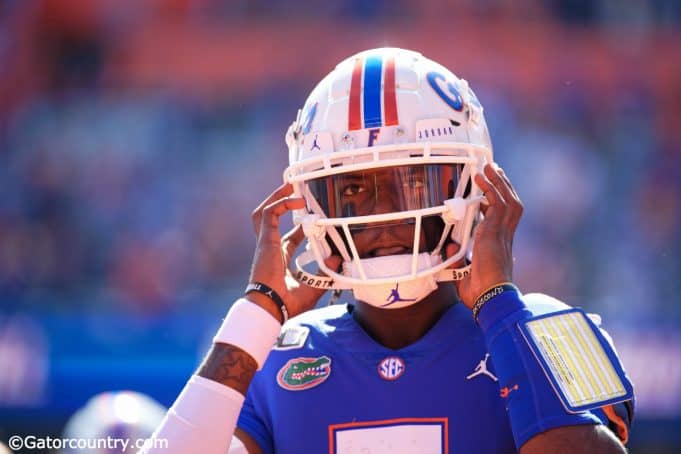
<point>204,416</point>
<point>202,419</point>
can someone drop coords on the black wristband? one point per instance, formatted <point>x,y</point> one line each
<point>489,294</point>
<point>270,293</point>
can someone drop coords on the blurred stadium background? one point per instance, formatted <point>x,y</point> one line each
<point>137,136</point>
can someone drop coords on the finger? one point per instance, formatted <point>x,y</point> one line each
<point>496,202</point>
<point>292,240</point>
<point>485,181</point>
<point>491,171</point>
<point>494,175</point>
<point>509,184</point>
<point>269,225</point>
<point>502,183</point>
<point>515,206</point>
<point>484,207</point>
<point>282,191</point>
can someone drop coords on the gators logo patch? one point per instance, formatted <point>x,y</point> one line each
<point>304,373</point>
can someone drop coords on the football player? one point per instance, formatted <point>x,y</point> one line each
<point>393,187</point>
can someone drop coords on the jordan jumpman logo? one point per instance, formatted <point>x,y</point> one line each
<point>481,369</point>
<point>395,297</point>
<point>315,144</point>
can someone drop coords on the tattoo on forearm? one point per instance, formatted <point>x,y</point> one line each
<point>230,366</point>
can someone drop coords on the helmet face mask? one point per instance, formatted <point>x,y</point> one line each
<point>387,143</point>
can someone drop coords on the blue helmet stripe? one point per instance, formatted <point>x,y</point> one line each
<point>373,71</point>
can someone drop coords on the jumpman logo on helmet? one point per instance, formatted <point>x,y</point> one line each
<point>315,144</point>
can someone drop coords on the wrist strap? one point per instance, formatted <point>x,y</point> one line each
<point>490,293</point>
<point>269,292</point>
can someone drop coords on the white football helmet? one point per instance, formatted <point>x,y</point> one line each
<point>393,122</point>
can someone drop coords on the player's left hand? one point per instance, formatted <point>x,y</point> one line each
<point>493,246</point>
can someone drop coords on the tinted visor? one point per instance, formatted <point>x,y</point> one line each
<point>386,190</point>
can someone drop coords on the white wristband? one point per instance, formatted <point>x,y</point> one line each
<point>251,328</point>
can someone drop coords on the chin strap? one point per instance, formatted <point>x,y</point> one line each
<point>328,283</point>
<point>314,280</point>
<point>454,274</point>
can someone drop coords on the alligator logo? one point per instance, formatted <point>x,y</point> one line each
<point>304,373</point>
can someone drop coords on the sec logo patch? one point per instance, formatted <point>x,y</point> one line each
<point>391,368</point>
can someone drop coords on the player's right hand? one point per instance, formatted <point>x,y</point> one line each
<point>274,255</point>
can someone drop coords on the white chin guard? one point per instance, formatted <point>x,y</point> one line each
<point>395,295</point>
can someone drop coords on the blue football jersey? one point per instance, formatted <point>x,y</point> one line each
<point>327,386</point>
